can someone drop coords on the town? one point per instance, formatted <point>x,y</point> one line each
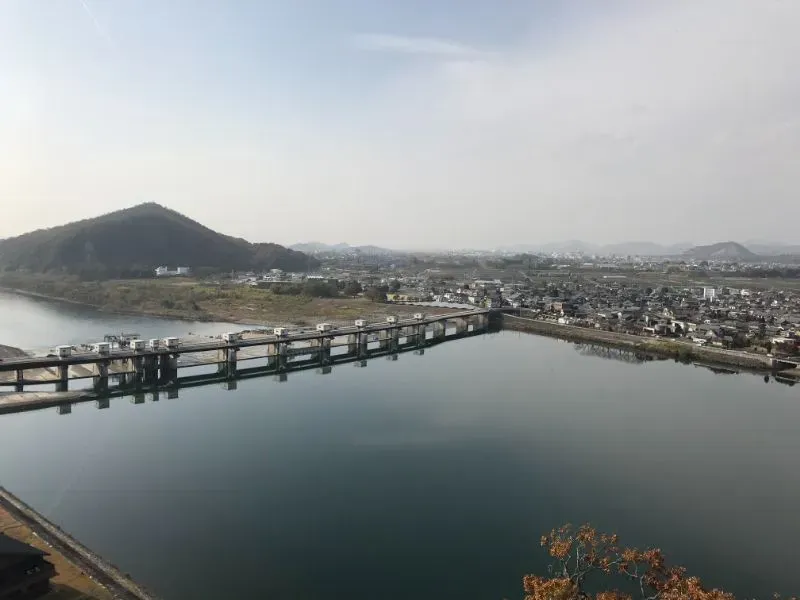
<point>746,306</point>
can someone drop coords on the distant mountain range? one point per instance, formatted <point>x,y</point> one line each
<point>139,239</point>
<point>750,250</point>
<point>342,248</point>
<point>620,249</point>
<point>772,248</point>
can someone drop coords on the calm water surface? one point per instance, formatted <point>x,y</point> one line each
<point>38,324</point>
<point>428,477</point>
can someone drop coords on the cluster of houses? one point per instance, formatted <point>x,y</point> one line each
<point>726,317</point>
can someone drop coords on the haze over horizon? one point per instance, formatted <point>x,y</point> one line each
<point>407,125</point>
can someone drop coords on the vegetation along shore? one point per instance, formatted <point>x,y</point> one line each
<point>198,300</point>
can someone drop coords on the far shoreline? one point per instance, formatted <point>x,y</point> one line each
<point>207,317</point>
<point>665,348</point>
<point>204,318</point>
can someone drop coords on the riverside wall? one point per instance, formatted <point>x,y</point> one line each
<point>659,347</point>
<point>96,567</point>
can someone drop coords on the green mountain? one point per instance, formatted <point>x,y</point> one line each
<point>135,240</point>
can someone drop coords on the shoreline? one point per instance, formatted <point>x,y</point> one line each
<point>666,348</point>
<point>90,563</point>
<point>125,312</point>
<point>295,320</point>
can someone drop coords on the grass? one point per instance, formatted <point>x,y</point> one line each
<point>201,301</point>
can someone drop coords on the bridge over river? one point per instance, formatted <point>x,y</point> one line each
<point>146,366</point>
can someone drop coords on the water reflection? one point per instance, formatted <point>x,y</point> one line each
<point>610,353</point>
<point>717,369</point>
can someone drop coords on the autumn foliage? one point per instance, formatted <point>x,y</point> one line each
<point>583,553</point>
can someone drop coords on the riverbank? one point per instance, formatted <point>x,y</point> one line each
<point>11,352</point>
<point>679,350</point>
<point>80,572</point>
<point>193,300</point>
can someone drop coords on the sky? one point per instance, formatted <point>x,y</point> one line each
<point>413,124</point>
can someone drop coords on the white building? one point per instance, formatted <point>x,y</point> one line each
<point>709,293</point>
<point>167,272</point>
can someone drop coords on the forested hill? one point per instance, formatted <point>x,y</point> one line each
<point>136,240</point>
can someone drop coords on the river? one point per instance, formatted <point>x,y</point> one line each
<point>37,324</point>
<point>430,476</point>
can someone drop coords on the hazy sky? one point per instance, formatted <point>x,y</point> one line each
<point>413,123</point>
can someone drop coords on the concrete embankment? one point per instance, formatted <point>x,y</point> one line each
<point>660,347</point>
<point>90,563</point>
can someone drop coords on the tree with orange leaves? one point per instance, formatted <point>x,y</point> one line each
<point>582,552</point>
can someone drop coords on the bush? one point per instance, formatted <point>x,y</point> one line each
<point>582,554</point>
<point>376,294</point>
<point>320,289</point>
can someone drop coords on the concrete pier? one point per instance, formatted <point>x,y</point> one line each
<point>168,367</point>
<point>363,345</point>
<point>101,379</point>
<point>228,359</point>
<point>325,351</point>
<point>63,378</point>
<point>151,369</point>
<point>281,356</point>
<point>231,355</point>
<point>137,364</point>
